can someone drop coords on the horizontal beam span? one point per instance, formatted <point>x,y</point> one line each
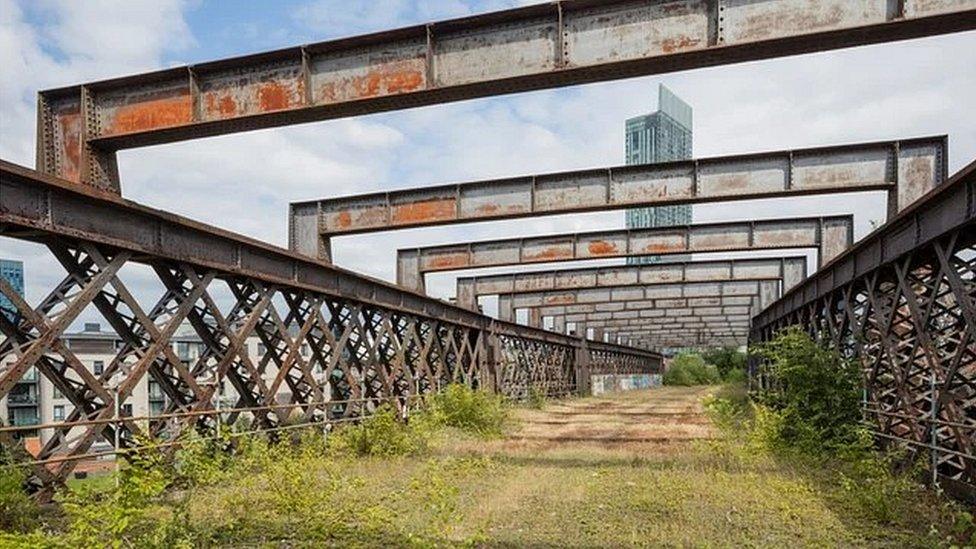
<point>829,235</point>
<point>906,169</point>
<point>791,270</point>
<point>950,208</point>
<point>705,316</point>
<point>37,207</point>
<point>655,298</point>
<point>530,48</point>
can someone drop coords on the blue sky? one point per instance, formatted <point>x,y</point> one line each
<point>244,182</point>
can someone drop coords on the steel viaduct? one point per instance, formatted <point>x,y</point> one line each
<point>902,301</point>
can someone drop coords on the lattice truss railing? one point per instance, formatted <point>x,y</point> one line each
<point>521,364</point>
<point>358,353</point>
<point>603,361</point>
<point>912,326</point>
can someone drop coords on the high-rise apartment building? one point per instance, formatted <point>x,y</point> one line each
<point>662,136</point>
<point>13,273</point>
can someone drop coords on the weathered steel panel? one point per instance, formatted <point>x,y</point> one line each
<point>368,72</point>
<point>726,237</point>
<point>634,30</point>
<point>635,185</point>
<point>251,90</point>
<point>142,108</point>
<point>658,242</point>
<point>505,252</point>
<point>65,135</point>
<point>496,51</point>
<point>784,234</point>
<point>921,8</point>
<point>359,212</point>
<point>869,166</point>
<point>920,169</point>
<point>548,249</point>
<point>423,206</point>
<point>570,191</point>
<point>834,239</point>
<point>442,259</point>
<point>501,198</point>
<point>589,247</point>
<point>743,177</point>
<point>303,228</point>
<point>754,20</point>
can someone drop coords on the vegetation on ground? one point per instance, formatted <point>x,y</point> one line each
<point>609,481</point>
<point>691,369</point>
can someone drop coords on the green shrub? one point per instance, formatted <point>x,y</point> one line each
<point>818,393</point>
<point>18,512</point>
<point>471,410</point>
<point>384,434</point>
<point>690,369</point>
<point>727,360</point>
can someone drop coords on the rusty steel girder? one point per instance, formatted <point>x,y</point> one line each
<point>653,300</point>
<point>906,169</point>
<point>791,270</point>
<point>828,235</point>
<point>369,342</point>
<point>902,303</point>
<point>536,47</point>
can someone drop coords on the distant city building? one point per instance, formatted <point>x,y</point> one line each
<point>661,136</point>
<point>13,272</point>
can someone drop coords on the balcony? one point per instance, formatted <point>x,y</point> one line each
<point>24,421</point>
<point>21,400</point>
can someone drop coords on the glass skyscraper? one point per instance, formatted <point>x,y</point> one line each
<point>662,136</point>
<point>13,272</point>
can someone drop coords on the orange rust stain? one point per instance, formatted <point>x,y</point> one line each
<point>420,212</point>
<point>390,79</point>
<point>671,45</point>
<point>151,114</point>
<point>69,123</point>
<point>220,107</point>
<point>550,254</point>
<point>448,261</point>
<point>488,209</point>
<point>273,96</point>
<point>343,220</point>
<point>600,247</point>
<point>661,248</point>
<point>562,299</point>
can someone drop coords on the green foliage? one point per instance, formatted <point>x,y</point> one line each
<point>730,361</point>
<point>18,512</point>
<point>690,369</point>
<point>819,394</point>
<point>384,434</point>
<point>473,411</point>
<point>536,398</point>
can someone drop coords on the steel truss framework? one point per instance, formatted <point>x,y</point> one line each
<point>656,281</point>
<point>369,343</point>
<point>829,236</point>
<point>903,304</point>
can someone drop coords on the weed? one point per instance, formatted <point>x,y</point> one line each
<point>536,398</point>
<point>473,411</point>
<point>18,512</point>
<point>383,433</point>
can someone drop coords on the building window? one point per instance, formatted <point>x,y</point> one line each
<point>183,350</point>
<point>58,393</point>
<point>305,349</point>
<point>261,349</point>
<point>126,410</point>
<point>98,367</point>
<point>59,413</point>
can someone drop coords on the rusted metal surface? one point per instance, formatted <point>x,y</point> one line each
<point>374,341</point>
<point>791,270</point>
<point>828,235</point>
<point>904,168</point>
<point>902,303</point>
<point>535,47</point>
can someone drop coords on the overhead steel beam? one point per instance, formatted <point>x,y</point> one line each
<point>535,47</point>
<point>658,297</point>
<point>791,270</point>
<point>906,169</point>
<point>829,235</point>
<point>694,316</point>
